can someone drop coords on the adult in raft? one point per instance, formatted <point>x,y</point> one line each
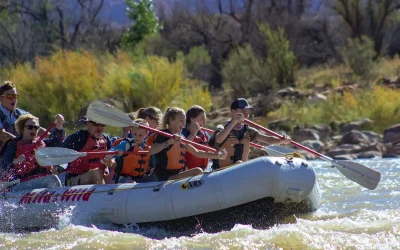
<point>19,154</point>
<point>88,169</point>
<point>170,153</point>
<point>195,119</point>
<point>9,113</point>
<point>235,136</point>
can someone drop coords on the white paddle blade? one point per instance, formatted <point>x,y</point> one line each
<point>109,115</point>
<point>359,173</point>
<point>49,156</point>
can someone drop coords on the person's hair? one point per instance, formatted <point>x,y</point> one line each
<point>193,112</point>
<point>20,122</point>
<point>141,122</point>
<point>171,113</point>
<point>150,112</point>
<point>7,85</point>
<point>131,115</point>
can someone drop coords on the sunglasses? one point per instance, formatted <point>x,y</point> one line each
<point>97,124</point>
<point>30,127</point>
<point>11,96</point>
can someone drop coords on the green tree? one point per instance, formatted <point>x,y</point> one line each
<point>145,22</point>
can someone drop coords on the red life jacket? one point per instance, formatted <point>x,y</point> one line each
<point>30,164</point>
<point>193,161</point>
<point>86,163</point>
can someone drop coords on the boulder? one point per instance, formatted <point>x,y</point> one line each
<point>313,144</point>
<point>372,136</point>
<point>363,124</point>
<point>369,154</point>
<point>305,134</point>
<point>323,130</point>
<point>392,134</point>
<point>354,137</point>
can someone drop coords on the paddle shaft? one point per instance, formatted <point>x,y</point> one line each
<point>196,145</point>
<point>100,153</point>
<point>292,142</point>
<point>251,143</point>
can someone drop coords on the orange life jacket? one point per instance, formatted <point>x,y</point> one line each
<point>136,165</point>
<point>193,161</point>
<point>86,163</point>
<point>30,164</point>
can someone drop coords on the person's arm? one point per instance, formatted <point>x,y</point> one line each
<point>5,136</point>
<point>161,142</point>
<point>221,136</point>
<point>203,154</point>
<point>272,139</point>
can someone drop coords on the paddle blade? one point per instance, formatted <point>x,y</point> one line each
<point>56,156</point>
<point>359,173</point>
<point>106,114</point>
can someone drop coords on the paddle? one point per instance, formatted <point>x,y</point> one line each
<point>354,171</point>
<point>109,115</point>
<point>272,150</point>
<point>56,156</point>
<point>4,185</point>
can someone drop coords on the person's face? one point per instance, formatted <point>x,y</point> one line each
<point>200,119</point>
<point>30,131</point>
<point>245,112</point>
<point>153,122</point>
<point>9,99</point>
<point>176,124</point>
<point>139,134</point>
<point>95,129</point>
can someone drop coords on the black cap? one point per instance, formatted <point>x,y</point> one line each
<point>241,103</point>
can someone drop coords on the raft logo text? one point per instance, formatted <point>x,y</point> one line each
<point>192,184</point>
<point>47,197</point>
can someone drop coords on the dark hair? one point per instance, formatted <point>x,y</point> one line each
<point>7,85</point>
<point>131,115</point>
<point>171,113</point>
<point>151,112</point>
<point>193,112</point>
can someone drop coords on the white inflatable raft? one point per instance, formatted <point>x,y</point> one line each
<point>279,180</point>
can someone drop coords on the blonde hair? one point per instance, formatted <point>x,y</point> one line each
<point>131,115</point>
<point>20,122</point>
<point>171,113</point>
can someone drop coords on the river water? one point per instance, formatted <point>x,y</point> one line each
<point>350,217</point>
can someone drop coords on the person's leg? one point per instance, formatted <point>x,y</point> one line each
<point>186,174</point>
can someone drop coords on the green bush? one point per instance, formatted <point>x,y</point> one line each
<point>281,60</point>
<point>197,56</point>
<point>244,74</point>
<point>359,54</point>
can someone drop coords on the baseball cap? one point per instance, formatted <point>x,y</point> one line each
<point>241,103</point>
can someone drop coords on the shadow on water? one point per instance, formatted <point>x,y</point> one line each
<point>260,214</point>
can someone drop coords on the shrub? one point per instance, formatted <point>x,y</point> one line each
<point>359,54</point>
<point>244,74</point>
<point>281,60</point>
<point>63,83</point>
<point>380,104</point>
